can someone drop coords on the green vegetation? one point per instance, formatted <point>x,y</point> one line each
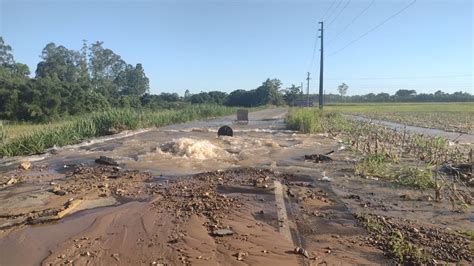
<point>312,120</point>
<point>375,165</point>
<point>304,120</point>
<point>396,245</point>
<point>469,234</point>
<point>416,178</point>
<point>404,251</point>
<point>71,83</point>
<point>99,124</point>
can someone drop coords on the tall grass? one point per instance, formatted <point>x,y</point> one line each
<point>99,124</point>
<point>312,120</point>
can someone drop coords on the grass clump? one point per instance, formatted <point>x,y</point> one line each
<point>416,178</point>
<point>100,124</point>
<point>313,120</point>
<point>469,234</point>
<point>3,133</point>
<point>304,120</point>
<point>404,251</point>
<point>375,165</point>
<point>396,245</point>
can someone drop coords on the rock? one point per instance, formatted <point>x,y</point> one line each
<point>24,165</point>
<point>302,251</point>
<point>58,191</point>
<point>326,179</point>
<point>240,255</point>
<point>106,160</point>
<point>12,181</point>
<point>120,191</point>
<point>222,232</point>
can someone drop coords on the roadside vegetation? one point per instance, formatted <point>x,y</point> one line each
<point>36,139</point>
<point>312,120</point>
<point>413,161</point>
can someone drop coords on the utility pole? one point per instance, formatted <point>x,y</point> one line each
<point>321,67</point>
<point>307,90</point>
<point>302,88</point>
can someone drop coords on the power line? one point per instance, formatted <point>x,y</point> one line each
<point>407,77</point>
<point>337,6</point>
<point>338,14</point>
<point>315,40</point>
<point>374,28</point>
<point>314,54</point>
<point>327,10</point>
<point>352,22</point>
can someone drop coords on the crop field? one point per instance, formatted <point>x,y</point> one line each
<point>456,117</point>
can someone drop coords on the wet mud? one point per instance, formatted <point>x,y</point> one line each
<point>182,195</point>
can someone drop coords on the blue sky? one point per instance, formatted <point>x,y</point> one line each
<point>228,45</point>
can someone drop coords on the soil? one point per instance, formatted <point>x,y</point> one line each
<point>265,205</point>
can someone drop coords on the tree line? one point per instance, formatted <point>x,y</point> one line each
<point>68,82</point>
<point>402,95</point>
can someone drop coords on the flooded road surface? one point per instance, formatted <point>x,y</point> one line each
<point>453,136</point>
<point>182,195</point>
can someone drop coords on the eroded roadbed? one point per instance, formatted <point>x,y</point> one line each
<point>182,195</point>
<point>219,217</point>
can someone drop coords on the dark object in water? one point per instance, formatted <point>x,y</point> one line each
<point>318,158</point>
<point>106,160</point>
<point>225,131</point>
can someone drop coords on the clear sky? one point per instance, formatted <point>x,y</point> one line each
<point>227,45</point>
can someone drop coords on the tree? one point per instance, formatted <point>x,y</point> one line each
<point>60,62</point>
<point>6,56</point>
<point>187,95</point>
<point>268,93</point>
<point>291,94</point>
<point>13,83</point>
<point>217,97</point>
<point>132,81</point>
<point>105,67</point>
<point>200,98</point>
<point>405,93</point>
<point>169,97</point>
<point>240,98</point>
<point>342,89</point>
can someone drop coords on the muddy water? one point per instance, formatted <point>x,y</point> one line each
<point>194,147</point>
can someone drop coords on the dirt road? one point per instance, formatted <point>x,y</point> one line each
<point>181,195</point>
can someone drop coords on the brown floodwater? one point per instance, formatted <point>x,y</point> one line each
<point>194,147</point>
